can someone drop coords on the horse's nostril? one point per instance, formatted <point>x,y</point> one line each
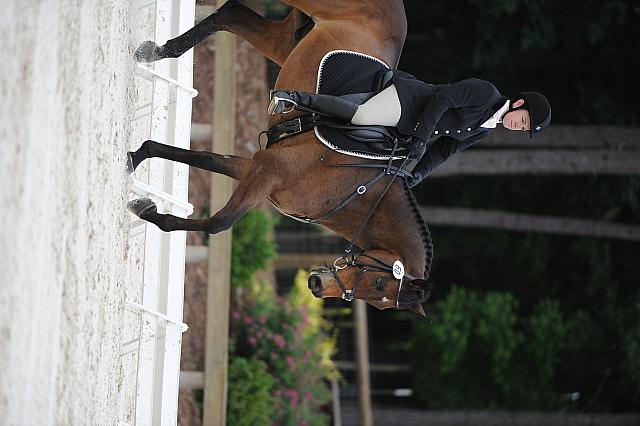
<point>315,283</point>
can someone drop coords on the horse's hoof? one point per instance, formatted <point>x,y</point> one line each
<point>142,206</point>
<point>130,167</point>
<point>148,51</point>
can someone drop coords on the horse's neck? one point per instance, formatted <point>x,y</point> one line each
<point>393,228</point>
<point>396,229</point>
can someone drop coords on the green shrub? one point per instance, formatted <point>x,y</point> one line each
<point>272,330</point>
<point>546,331</point>
<point>631,347</point>
<point>249,399</point>
<point>251,246</point>
<point>478,353</point>
<point>282,339</point>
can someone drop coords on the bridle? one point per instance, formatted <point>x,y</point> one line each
<point>397,270</point>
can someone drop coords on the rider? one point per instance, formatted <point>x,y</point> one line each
<point>457,115</point>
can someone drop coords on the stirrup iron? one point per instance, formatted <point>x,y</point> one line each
<point>278,105</point>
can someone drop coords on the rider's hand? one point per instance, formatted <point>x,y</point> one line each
<point>415,180</point>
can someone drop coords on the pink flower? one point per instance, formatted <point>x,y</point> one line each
<point>279,340</point>
<point>292,394</point>
<point>253,341</point>
<point>263,319</point>
<point>277,392</point>
<point>273,355</point>
<point>303,423</point>
<point>235,315</point>
<point>305,358</point>
<point>290,361</point>
<point>308,396</point>
<point>248,320</point>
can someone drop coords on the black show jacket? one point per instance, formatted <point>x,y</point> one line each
<point>451,112</point>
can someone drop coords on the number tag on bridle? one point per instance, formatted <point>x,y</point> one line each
<point>398,270</point>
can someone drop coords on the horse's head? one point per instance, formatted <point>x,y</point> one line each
<point>375,276</point>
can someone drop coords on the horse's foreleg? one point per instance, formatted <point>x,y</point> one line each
<point>251,191</point>
<point>228,165</point>
<point>274,39</point>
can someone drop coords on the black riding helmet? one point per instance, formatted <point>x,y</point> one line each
<point>539,110</point>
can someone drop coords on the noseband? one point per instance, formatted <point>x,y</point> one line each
<point>342,262</point>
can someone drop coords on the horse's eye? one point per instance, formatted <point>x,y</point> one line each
<point>380,282</point>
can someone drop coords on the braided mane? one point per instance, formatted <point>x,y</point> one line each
<point>424,231</point>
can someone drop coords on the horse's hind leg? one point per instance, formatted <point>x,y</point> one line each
<point>228,165</point>
<point>251,191</point>
<point>273,39</point>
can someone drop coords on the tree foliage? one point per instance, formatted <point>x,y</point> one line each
<point>482,352</point>
<point>575,299</point>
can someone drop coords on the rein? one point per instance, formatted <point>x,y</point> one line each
<point>387,171</point>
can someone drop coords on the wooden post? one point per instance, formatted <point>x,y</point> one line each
<point>218,288</point>
<point>335,400</point>
<point>508,221</point>
<point>362,359</point>
<point>559,162</point>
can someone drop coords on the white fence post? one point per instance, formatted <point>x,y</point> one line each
<point>157,298</point>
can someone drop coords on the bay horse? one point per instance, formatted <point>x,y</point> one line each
<point>293,173</point>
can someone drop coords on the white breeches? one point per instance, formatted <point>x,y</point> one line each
<point>381,110</point>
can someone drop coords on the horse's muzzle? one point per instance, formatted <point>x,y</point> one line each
<point>315,285</point>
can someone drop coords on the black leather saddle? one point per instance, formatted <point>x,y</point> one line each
<point>356,77</point>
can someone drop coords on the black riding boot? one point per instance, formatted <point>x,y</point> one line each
<point>332,106</point>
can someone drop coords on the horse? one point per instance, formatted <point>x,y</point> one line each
<point>392,270</point>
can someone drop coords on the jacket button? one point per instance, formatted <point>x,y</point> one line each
<point>447,132</point>
<point>457,131</point>
<point>436,132</point>
<point>468,129</point>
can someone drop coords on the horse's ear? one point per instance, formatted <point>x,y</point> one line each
<point>427,287</point>
<point>419,311</point>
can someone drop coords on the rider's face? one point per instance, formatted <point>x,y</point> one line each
<point>517,120</point>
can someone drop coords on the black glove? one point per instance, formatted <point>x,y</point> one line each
<point>415,180</point>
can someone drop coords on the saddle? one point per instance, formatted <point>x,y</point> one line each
<point>356,77</point>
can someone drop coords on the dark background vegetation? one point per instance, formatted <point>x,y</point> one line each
<point>525,320</point>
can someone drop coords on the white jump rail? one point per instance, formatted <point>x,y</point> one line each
<point>160,309</point>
